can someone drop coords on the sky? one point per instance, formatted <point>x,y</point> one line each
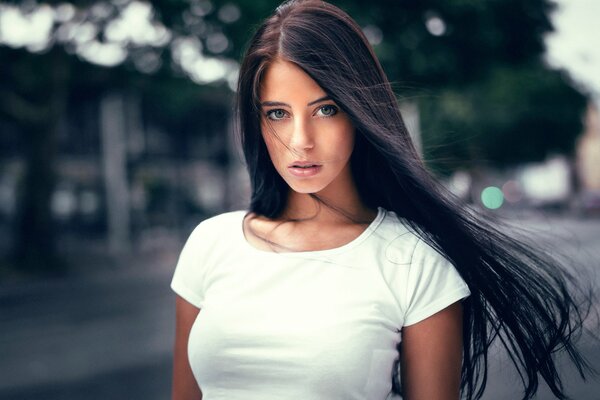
<point>575,45</point>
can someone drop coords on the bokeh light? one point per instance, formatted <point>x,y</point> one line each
<point>492,197</point>
<point>513,193</point>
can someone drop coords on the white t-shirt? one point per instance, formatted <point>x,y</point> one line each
<point>306,325</point>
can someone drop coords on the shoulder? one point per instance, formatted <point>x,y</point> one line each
<point>225,222</point>
<point>209,232</point>
<point>396,237</point>
<point>402,237</point>
<point>201,252</point>
<point>419,277</point>
<point>212,237</point>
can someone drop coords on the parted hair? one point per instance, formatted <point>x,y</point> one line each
<point>519,296</point>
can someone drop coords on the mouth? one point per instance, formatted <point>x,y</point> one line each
<point>304,164</point>
<point>304,168</point>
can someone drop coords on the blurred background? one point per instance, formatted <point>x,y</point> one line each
<point>117,137</point>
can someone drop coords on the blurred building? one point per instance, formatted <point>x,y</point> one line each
<point>588,150</point>
<point>588,159</point>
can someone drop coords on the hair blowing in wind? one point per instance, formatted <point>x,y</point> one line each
<point>521,298</point>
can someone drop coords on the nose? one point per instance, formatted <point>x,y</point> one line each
<point>302,138</point>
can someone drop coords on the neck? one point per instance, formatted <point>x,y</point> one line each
<point>330,205</point>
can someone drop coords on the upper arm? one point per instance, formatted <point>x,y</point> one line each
<point>431,356</point>
<point>185,386</point>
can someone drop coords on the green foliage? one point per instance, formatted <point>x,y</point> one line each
<point>513,115</point>
<point>476,36</point>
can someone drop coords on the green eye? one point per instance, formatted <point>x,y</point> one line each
<point>328,111</point>
<point>276,114</point>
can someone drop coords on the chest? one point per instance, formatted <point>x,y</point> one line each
<point>326,325</point>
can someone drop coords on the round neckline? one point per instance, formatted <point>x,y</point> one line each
<point>381,212</point>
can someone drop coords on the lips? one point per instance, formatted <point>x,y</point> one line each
<point>304,169</point>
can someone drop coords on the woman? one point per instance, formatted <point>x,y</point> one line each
<point>353,275</point>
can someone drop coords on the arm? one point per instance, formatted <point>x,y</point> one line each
<point>185,386</point>
<point>431,356</point>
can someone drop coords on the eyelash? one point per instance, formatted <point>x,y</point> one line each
<point>335,109</point>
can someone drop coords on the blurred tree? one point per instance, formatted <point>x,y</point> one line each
<point>49,49</point>
<point>433,43</point>
<point>33,98</point>
<point>514,115</point>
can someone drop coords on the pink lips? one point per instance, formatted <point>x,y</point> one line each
<point>304,169</point>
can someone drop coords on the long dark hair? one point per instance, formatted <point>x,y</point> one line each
<point>519,296</point>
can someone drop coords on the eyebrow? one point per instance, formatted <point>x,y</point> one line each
<point>279,103</point>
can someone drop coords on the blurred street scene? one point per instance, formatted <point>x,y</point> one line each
<point>118,136</point>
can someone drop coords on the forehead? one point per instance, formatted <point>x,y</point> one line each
<point>284,80</point>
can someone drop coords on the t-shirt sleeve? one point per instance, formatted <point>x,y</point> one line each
<point>433,284</point>
<point>188,279</point>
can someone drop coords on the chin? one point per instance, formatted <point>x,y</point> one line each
<point>306,187</point>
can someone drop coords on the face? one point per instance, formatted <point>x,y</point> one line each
<point>309,138</point>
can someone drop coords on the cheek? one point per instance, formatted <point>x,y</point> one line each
<point>344,142</point>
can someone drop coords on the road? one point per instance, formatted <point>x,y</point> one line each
<point>106,332</point>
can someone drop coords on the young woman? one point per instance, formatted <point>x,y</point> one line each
<point>353,275</point>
